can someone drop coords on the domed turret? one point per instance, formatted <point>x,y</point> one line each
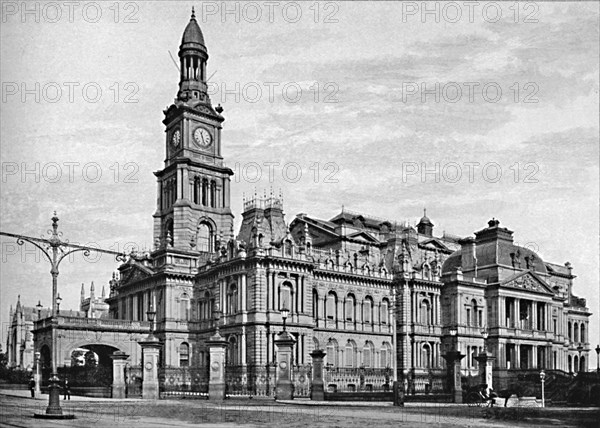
<point>425,226</point>
<point>193,35</point>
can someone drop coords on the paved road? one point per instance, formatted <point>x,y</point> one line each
<point>18,411</point>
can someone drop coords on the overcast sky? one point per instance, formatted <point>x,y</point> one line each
<point>386,94</point>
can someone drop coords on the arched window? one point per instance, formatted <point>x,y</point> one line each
<point>350,301</point>
<point>385,355</point>
<point>331,306</point>
<point>287,248</point>
<point>332,352</point>
<point>232,351</point>
<point>205,238</point>
<point>184,307</point>
<point>582,364</point>
<point>184,355</point>
<point>232,299</point>
<point>213,194</point>
<point>582,333</point>
<point>426,356</point>
<point>368,354</point>
<point>569,333</point>
<point>425,312</point>
<point>576,332</point>
<point>315,304</point>
<point>205,192</point>
<point>205,307</point>
<point>474,313</point>
<point>569,363</point>
<point>285,296</point>
<point>368,310</point>
<point>575,363</point>
<point>197,189</point>
<point>426,271</point>
<point>385,311</point>
<point>350,353</point>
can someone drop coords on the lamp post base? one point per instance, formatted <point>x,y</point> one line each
<point>54,411</point>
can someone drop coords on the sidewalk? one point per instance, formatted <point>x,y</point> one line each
<point>307,402</point>
<point>24,393</point>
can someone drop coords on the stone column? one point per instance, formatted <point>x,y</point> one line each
<point>284,343</point>
<point>317,391</point>
<point>118,386</point>
<point>150,354</point>
<point>485,360</point>
<point>217,346</point>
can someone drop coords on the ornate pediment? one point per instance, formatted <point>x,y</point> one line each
<point>529,282</point>
<point>135,273</point>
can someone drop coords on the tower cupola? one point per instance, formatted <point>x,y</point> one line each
<point>193,56</point>
<point>425,226</point>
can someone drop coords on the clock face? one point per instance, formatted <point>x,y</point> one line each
<point>202,137</point>
<point>176,138</point>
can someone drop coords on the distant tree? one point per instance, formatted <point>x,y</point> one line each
<point>3,358</point>
<point>90,359</point>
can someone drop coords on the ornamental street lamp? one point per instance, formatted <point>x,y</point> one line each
<point>453,358</point>
<point>56,250</point>
<point>217,317</point>
<point>598,359</point>
<point>485,361</point>
<point>58,300</point>
<point>543,378</point>
<point>151,314</point>
<point>284,314</point>
<point>484,334</point>
<point>39,309</point>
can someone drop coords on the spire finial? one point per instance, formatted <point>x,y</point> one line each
<point>193,13</point>
<point>424,212</point>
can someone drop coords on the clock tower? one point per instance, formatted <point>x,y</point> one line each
<point>193,207</point>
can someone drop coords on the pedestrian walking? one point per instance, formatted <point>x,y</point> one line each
<point>67,390</point>
<point>32,387</point>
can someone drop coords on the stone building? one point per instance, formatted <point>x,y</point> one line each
<point>20,339</point>
<point>344,280</point>
<point>370,292</point>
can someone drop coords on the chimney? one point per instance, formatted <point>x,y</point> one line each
<point>468,259</point>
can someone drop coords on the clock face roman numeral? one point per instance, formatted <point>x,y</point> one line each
<point>202,137</point>
<point>176,138</point>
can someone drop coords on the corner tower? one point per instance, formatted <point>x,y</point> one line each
<point>193,204</point>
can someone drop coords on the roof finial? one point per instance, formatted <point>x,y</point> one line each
<point>424,212</point>
<point>193,13</point>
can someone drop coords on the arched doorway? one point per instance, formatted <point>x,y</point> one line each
<point>91,367</point>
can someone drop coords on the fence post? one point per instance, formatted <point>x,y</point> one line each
<point>485,360</point>
<point>216,381</point>
<point>118,386</point>
<point>317,391</point>
<point>150,352</point>
<point>284,343</point>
